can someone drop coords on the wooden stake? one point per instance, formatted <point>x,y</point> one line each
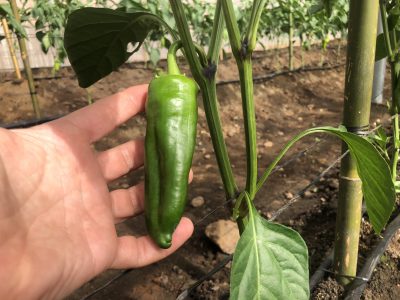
<point>11,48</point>
<point>25,59</point>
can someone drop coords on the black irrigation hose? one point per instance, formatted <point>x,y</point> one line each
<point>359,284</point>
<point>276,74</point>
<point>29,123</point>
<point>109,282</point>
<point>217,268</point>
<point>320,272</point>
<point>222,82</point>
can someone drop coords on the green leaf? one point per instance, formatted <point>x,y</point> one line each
<point>397,186</point>
<point>45,43</point>
<point>154,56</point>
<point>323,4</point>
<point>270,262</point>
<point>381,51</point>
<point>373,170</point>
<point>131,6</point>
<point>316,8</point>
<point>377,185</point>
<point>15,26</point>
<point>96,40</point>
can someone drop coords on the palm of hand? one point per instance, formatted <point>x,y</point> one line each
<point>57,217</point>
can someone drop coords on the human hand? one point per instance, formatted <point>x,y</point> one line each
<point>57,215</point>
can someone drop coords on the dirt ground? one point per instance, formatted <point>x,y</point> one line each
<point>285,105</point>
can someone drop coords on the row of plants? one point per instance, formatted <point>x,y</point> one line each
<point>270,260</point>
<point>299,19</point>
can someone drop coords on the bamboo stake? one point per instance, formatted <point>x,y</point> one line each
<point>25,59</point>
<point>11,48</point>
<point>357,105</point>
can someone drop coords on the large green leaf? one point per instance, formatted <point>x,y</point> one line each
<point>381,51</point>
<point>15,26</point>
<point>270,262</point>
<point>97,40</point>
<point>322,4</point>
<point>377,184</point>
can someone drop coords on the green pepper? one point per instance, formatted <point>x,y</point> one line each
<point>171,113</point>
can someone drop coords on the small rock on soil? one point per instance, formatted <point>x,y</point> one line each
<point>225,234</point>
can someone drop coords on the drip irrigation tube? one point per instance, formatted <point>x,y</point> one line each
<point>320,272</point>
<point>276,74</point>
<point>326,264</point>
<point>357,287</point>
<point>29,123</point>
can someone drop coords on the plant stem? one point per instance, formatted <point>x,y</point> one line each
<point>25,59</point>
<point>232,28</point>
<point>209,93</point>
<point>186,38</point>
<point>11,48</point>
<point>243,60</point>
<point>385,26</point>
<point>394,158</point>
<point>394,110</point>
<point>252,30</point>
<point>216,35</point>
<point>247,90</point>
<point>213,119</point>
<point>363,21</point>
<point>242,52</point>
<point>391,45</point>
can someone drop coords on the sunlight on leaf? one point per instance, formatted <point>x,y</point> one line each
<point>270,262</point>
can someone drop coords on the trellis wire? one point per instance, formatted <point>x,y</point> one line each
<point>357,287</point>
<point>277,168</point>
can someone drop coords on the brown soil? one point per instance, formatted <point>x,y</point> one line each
<point>285,105</point>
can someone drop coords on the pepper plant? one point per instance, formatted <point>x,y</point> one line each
<point>388,46</point>
<point>271,260</point>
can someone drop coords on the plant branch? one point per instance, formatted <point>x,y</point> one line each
<point>247,89</point>
<point>216,34</point>
<point>233,28</point>
<point>186,38</point>
<point>242,54</point>
<point>385,26</point>
<point>208,88</point>
<point>251,34</point>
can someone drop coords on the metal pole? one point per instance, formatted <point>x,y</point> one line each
<point>379,73</point>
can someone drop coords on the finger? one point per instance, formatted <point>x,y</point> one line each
<point>102,117</point>
<point>127,202</point>
<point>120,160</point>
<point>138,252</point>
<point>190,175</point>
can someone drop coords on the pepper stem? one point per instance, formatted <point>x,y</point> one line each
<point>173,68</point>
